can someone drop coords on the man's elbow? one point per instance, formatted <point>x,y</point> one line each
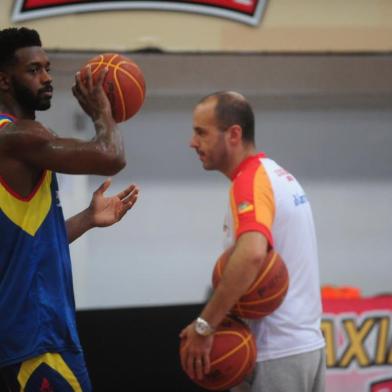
<point>114,165</point>
<point>257,257</point>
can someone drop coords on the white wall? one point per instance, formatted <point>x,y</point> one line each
<point>338,145</point>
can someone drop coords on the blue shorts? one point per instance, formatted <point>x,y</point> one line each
<point>50,372</point>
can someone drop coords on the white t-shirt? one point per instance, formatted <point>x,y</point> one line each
<point>264,197</point>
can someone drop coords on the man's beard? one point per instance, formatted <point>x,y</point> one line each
<point>28,100</point>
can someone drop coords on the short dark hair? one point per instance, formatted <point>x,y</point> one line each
<point>12,39</point>
<point>232,108</point>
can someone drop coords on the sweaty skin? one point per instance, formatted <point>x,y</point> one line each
<point>27,147</point>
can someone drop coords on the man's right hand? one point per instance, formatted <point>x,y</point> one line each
<point>91,96</point>
<point>195,352</point>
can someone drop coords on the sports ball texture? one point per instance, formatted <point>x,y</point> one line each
<point>233,356</point>
<point>266,293</point>
<point>124,83</point>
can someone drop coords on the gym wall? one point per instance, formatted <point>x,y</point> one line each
<point>283,26</point>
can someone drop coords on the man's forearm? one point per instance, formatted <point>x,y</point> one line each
<point>240,272</point>
<point>77,225</point>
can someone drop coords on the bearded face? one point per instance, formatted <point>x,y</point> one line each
<point>30,99</point>
<point>29,80</point>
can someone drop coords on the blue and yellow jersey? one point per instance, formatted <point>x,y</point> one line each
<point>37,308</point>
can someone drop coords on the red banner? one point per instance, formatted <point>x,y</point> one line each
<point>358,334</point>
<point>247,11</point>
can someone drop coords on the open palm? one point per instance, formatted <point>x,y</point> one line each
<point>106,211</point>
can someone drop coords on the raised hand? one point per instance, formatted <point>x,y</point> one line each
<point>91,95</point>
<point>105,211</point>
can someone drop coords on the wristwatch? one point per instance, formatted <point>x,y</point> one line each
<point>202,327</point>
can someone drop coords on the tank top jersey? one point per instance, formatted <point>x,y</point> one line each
<point>37,308</point>
<point>266,198</point>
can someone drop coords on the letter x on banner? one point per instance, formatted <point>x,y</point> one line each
<point>358,335</point>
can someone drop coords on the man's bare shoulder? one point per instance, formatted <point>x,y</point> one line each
<point>23,132</point>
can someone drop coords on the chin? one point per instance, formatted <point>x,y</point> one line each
<point>208,167</point>
<point>43,106</point>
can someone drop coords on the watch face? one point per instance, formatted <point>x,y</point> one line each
<point>202,327</point>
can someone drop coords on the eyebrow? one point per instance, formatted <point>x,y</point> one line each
<point>38,63</point>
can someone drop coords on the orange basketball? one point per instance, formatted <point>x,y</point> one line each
<point>233,356</point>
<point>124,83</point>
<point>266,293</point>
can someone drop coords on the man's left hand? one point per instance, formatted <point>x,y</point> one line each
<point>106,211</point>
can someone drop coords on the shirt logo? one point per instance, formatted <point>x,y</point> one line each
<point>58,201</point>
<point>45,386</point>
<point>300,199</point>
<point>245,206</point>
<point>246,11</point>
<point>283,172</point>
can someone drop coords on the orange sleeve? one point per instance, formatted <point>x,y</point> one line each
<point>252,202</point>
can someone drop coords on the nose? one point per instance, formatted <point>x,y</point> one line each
<point>193,142</point>
<point>46,77</point>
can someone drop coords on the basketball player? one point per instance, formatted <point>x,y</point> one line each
<point>39,344</point>
<point>268,208</point>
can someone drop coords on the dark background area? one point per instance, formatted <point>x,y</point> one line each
<point>135,349</point>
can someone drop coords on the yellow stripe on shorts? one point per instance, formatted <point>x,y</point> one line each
<point>56,362</point>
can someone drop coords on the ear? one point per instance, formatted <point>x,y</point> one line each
<point>4,81</point>
<point>235,134</point>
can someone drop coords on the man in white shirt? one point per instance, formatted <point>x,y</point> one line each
<point>277,215</point>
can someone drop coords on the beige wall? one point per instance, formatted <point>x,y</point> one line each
<point>287,26</point>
